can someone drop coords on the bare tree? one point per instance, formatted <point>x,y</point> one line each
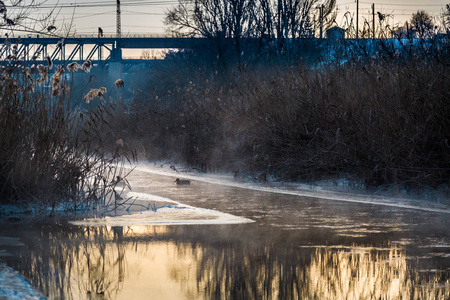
<point>423,24</point>
<point>16,17</point>
<point>326,14</point>
<point>210,18</point>
<point>285,20</point>
<point>239,18</point>
<point>263,19</point>
<point>446,18</point>
<point>216,19</point>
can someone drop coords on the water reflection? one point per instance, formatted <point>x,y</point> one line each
<point>328,273</point>
<point>71,263</point>
<point>219,262</point>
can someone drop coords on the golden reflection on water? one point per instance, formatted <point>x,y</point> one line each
<point>152,262</point>
<point>333,273</point>
<point>359,274</point>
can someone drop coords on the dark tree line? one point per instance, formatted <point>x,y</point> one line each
<point>282,21</point>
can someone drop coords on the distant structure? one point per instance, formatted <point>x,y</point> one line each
<point>405,33</point>
<point>336,34</point>
<point>336,41</point>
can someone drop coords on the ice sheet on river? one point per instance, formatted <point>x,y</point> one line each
<point>173,214</point>
<point>299,190</point>
<point>180,214</point>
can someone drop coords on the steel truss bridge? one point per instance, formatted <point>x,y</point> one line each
<point>105,52</point>
<point>101,51</point>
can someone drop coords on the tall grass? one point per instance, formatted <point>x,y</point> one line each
<point>383,122</point>
<point>50,147</point>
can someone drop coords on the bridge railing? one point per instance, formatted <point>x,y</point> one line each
<point>93,35</point>
<point>127,35</point>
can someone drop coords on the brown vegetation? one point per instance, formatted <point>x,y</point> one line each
<point>50,147</point>
<point>381,122</point>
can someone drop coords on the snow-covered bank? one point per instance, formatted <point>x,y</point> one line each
<point>295,189</point>
<point>174,214</point>
<point>14,286</point>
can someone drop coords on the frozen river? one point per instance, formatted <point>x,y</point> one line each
<point>220,239</point>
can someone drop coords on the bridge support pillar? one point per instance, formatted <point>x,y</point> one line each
<point>115,70</point>
<point>115,66</point>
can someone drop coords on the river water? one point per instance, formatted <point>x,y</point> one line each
<point>292,244</point>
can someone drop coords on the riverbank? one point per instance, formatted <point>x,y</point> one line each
<point>320,190</point>
<point>13,286</point>
<point>380,123</point>
<point>160,210</point>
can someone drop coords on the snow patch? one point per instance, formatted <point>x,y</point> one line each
<point>169,215</point>
<point>14,286</point>
<point>173,214</point>
<point>150,197</point>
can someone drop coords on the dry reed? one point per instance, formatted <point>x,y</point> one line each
<point>383,122</point>
<point>51,149</point>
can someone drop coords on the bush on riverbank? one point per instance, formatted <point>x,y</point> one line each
<point>384,122</point>
<point>49,147</point>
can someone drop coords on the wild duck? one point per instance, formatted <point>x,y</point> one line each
<point>182,182</point>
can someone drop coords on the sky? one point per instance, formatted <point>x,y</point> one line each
<point>145,17</point>
<point>400,10</point>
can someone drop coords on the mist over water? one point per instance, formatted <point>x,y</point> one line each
<point>299,247</point>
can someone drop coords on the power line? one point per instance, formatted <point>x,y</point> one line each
<point>100,4</point>
<point>404,4</point>
<point>93,15</point>
<point>143,13</point>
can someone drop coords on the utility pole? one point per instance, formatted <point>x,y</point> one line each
<point>315,25</point>
<point>279,26</point>
<point>373,19</point>
<point>321,20</point>
<point>118,29</point>
<point>357,17</point>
